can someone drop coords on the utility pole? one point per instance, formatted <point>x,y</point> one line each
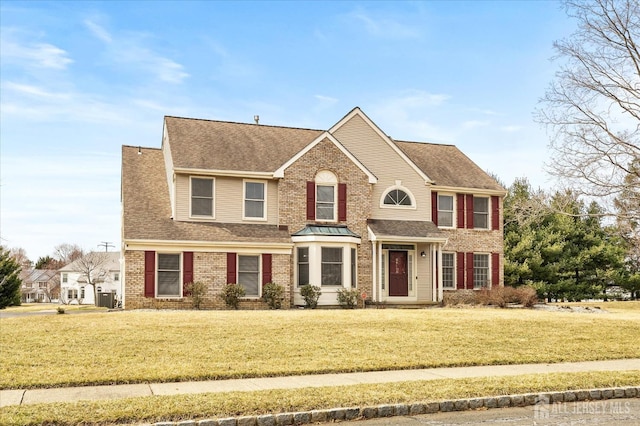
<point>106,245</point>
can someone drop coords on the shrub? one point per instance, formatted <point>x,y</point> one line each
<point>231,294</point>
<point>348,299</point>
<point>60,310</point>
<point>196,291</point>
<point>310,294</point>
<point>273,294</point>
<point>459,297</point>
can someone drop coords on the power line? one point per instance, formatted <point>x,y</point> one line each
<point>106,245</point>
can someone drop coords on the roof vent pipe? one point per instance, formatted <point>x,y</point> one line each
<point>256,118</point>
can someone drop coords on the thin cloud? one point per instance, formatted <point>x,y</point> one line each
<point>129,50</point>
<point>326,99</point>
<point>384,27</point>
<point>511,129</point>
<point>39,55</point>
<point>98,31</point>
<point>33,91</point>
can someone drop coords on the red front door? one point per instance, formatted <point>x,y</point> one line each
<point>398,277</point>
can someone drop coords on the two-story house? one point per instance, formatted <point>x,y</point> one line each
<point>39,285</point>
<point>346,207</point>
<point>76,287</point>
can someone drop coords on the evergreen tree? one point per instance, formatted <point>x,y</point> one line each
<point>9,280</point>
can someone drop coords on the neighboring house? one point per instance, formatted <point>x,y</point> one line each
<point>75,287</point>
<point>348,207</point>
<point>39,285</point>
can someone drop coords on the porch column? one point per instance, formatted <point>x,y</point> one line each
<point>374,272</point>
<point>440,274</point>
<point>434,270</point>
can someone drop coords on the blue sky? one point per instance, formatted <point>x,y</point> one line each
<point>80,79</point>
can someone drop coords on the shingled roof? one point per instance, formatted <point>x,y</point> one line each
<point>221,145</point>
<point>447,166</point>
<point>147,208</point>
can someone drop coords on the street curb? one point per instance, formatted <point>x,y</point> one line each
<point>391,410</point>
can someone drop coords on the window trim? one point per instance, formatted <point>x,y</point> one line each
<point>329,179</point>
<point>180,272</point>
<point>265,186</point>
<point>398,186</point>
<point>260,284</point>
<point>487,213</point>
<point>453,272</point>
<point>213,197</point>
<point>488,269</point>
<point>308,263</point>
<point>453,211</point>
<point>334,186</point>
<point>341,263</point>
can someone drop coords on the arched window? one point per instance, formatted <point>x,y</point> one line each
<point>397,197</point>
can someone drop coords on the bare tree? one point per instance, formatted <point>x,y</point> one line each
<point>592,108</point>
<point>20,256</point>
<point>67,253</point>
<point>92,267</point>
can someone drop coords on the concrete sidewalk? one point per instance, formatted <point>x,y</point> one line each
<point>92,393</point>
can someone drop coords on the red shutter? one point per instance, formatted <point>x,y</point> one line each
<point>460,270</point>
<point>469,211</point>
<point>149,274</point>
<point>495,213</point>
<point>266,268</point>
<point>495,270</point>
<point>434,207</point>
<point>342,201</point>
<point>187,271</point>
<point>460,210</point>
<point>470,271</point>
<point>231,268</point>
<point>311,200</point>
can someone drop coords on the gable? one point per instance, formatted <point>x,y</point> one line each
<point>370,144</point>
<point>321,138</point>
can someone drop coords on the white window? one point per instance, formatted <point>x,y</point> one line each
<point>331,266</point>
<point>202,197</point>
<point>397,196</point>
<point>325,202</point>
<point>249,274</point>
<point>168,283</point>
<point>82,293</point>
<point>303,266</point>
<point>254,200</point>
<point>116,276</point>
<point>445,210</point>
<point>480,270</point>
<point>448,270</point>
<point>326,187</point>
<point>481,212</point>
<point>72,294</point>
<point>65,278</point>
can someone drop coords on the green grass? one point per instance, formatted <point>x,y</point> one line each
<point>163,346</point>
<point>201,406</point>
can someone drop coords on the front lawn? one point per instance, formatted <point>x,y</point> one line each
<point>161,346</point>
<point>221,405</point>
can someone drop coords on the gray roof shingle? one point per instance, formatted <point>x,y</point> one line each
<point>448,166</point>
<point>220,145</point>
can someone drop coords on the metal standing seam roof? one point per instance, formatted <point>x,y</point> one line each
<point>326,230</point>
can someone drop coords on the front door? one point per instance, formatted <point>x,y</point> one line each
<point>398,277</point>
